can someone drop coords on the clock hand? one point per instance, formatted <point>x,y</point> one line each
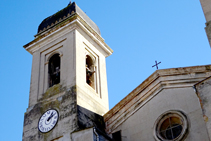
<point>52,114</point>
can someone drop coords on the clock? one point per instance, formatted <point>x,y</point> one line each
<point>48,120</point>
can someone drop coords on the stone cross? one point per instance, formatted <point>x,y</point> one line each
<point>156,64</point>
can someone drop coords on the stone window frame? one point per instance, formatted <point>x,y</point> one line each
<point>166,115</point>
<point>45,54</point>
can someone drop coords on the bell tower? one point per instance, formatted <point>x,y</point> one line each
<point>68,90</point>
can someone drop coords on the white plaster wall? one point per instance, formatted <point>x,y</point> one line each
<point>139,126</point>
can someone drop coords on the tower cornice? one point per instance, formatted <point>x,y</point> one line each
<point>72,23</point>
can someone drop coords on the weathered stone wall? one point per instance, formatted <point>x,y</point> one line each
<point>208,31</point>
<point>87,119</point>
<point>203,90</point>
<point>84,135</point>
<point>72,117</point>
<point>206,6</point>
<point>65,103</point>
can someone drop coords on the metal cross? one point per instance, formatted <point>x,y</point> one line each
<point>156,64</point>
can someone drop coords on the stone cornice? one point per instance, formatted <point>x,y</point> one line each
<point>73,22</point>
<point>159,80</point>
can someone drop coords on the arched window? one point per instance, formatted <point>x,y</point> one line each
<point>90,71</point>
<point>54,70</point>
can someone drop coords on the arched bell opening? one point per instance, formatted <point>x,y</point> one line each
<point>54,70</point>
<point>90,71</point>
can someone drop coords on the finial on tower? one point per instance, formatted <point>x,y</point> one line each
<point>69,3</point>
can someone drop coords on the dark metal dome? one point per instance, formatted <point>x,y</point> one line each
<point>64,14</point>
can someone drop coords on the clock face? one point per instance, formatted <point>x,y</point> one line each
<point>48,121</point>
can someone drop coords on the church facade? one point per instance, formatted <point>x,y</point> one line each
<point>69,98</point>
<point>163,107</point>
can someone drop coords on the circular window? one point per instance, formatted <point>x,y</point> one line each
<point>171,125</point>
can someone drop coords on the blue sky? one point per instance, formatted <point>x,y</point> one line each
<point>139,32</point>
